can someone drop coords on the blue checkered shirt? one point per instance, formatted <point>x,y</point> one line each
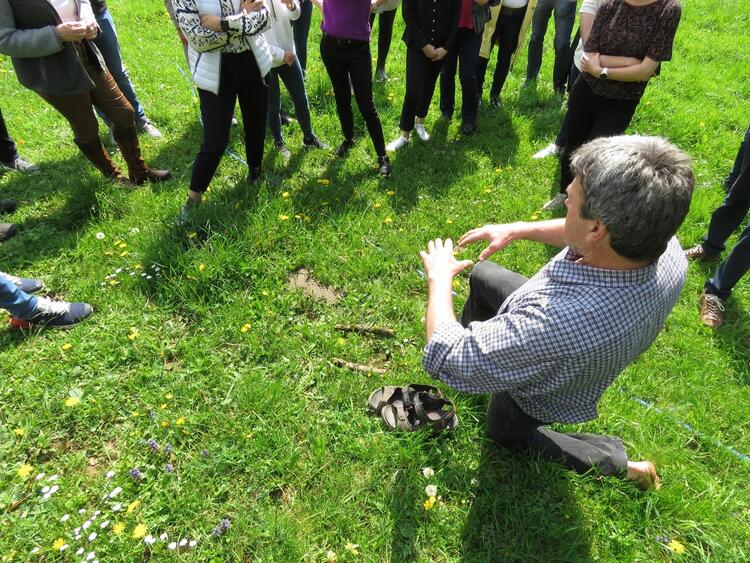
<point>562,338</point>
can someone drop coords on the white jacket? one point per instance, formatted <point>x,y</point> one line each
<point>279,35</point>
<point>206,46</point>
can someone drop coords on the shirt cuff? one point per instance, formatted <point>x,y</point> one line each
<point>446,336</point>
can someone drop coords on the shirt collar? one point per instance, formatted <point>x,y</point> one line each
<point>564,268</point>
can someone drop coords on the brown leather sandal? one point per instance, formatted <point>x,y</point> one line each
<point>424,411</point>
<point>389,394</point>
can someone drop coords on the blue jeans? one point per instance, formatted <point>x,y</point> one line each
<point>19,304</point>
<point>295,85</point>
<point>110,49</point>
<point>465,57</point>
<point>301,30</point>
<point>723,223</point>
<point>565,16</point>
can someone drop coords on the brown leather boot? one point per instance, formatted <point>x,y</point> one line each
<point>127,140</point>
<point>97,155</point>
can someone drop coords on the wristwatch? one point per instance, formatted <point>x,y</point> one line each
<point>604,74</point>
<point>224,25</point>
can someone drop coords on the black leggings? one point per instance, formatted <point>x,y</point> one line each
<point>385,33</point>
<point>240,79</point>
<point>421,77</point>
<point>347,60</point>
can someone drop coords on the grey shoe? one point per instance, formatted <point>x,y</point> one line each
<point>27,285</point>
<point>19,165</point>
<point>185,215</point>
<point>7,231</point>
<point>147,128</point>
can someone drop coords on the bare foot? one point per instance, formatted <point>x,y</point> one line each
<point>644,475</point>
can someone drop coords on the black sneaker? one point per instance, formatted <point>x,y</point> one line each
<point>285,119</point>
<point>384,166</point>
<point>284,151</point>
<point>253,177</point>
<point>58,314</point>
<point>468,127</point>
<point>495,102</point>
<point>27,285</point>
<point>314,143</point>
<point>7,231</point>
<point>381,75</point>
<point>344,148</point>
<point>7,206</point>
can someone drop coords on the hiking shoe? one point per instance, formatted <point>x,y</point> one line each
<point>27,285</point>
<point>56,314</point>
<point>147,128</point>
<point>314,143</point>
<point>699,254</point>
<point>550,150</point>
<point>7,231</point>
<point>421,132</point>
<point>399,143</point>
<point>284,151</point>
<point>556,202</point>
<point>7,206</point>
<point>384,166</point>
<point>712,310</point>
<point>344,148</point>
<point>19,165</point>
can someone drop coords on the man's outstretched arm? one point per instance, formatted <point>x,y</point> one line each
<point>550,232</point>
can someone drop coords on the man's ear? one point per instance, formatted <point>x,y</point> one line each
<point>598,231</point>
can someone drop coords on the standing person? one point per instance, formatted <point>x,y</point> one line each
<point>9,157</point>
<point>109,47</point>
<point>229,60</point>
<point>387,12</point>
<point>51,45</point>
<point>301,27</point>
<point>627,43</point>
<point>504,31</point>
<point>430,35</point>
<point>287,68</point>
<point>345,50</point>
<point>587,13</point>
<point>724,221</point>
<point>548,347</point>
<point>472,16</point>
<point>565,16</point>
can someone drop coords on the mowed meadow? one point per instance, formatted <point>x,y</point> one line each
<point>204,371</point>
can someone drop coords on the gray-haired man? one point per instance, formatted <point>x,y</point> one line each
<point>548,347</point>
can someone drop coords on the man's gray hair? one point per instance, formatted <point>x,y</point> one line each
<point>639,187</point>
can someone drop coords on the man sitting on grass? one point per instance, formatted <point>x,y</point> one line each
<point>548,347</point>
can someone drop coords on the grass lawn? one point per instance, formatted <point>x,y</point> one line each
<point>210,353</point>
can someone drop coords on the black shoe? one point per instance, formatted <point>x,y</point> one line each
<point>7,231</point>
<point>344,148</point>
<point>381,75</point>
<point>285,119</point>
<point>253,177</point>
<point>7,206</point>
<point>447,115</point>
<point>284,151</point>
<point>468,127</point>
<point>27,285</point>
<point>58,314</point>
<point>384,166</point>
<point>314,143</point>
<point>495,102</point>
<point>19,165</point>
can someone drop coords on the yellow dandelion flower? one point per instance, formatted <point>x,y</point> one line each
<point>283,217</point>
<point>456,284</point>
<point>534,217</point>
<point>331,556</point>
<point>487,191</point>
<point>376,206</point>
<point>164,423</point>
<point>57,544</point>
<point>19,431</point>
<point>108,253</point>
<point>122,245</point>
<point>124,254</point>
<point>676,546</point>
<point>72,401</point>
<point>390,193</point>
<point>449,221</point>
<point>193,234</point>
<point>265,293</point>
<point>168,396</point>
<point>135,413</point>
<point>134,333</point>
<point>352,548</point>
<point>341,341</point>
<point>25,470</point>
<point>246,327</point>
<point>429,503</point>
<point>324,181</point>
<point>180,421</point>
<point>139,532</point>
<point>237,205</point>
<point>285,195</point>
<point>138,266</point>
<point>387,220</point>
<point>201,267</point>
<point>67,346</point>
<point>118,528</point>
<point>133,506</point>
<point>113,282</point>
<point>498,170</point>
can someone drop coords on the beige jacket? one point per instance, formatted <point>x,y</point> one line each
<point>489,29</point>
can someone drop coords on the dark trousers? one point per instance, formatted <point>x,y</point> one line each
<point>294,81</point>
<point>735,171</point>
<point>7,146</point>
<point>565,15</point>
<point>506,36</point>
<point>240,80</point>
<point>507,424</point>
<point>301,30</point>
<point>345,61</point>
<point>464,57</point>
<point>589,117</point>
<point>724,221</point>
<point>385,34</point>
<point>562,134</point>
<point>106,96</point>
<point>421,77</point>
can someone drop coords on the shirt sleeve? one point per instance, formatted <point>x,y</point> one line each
<point>661,46</point>
<point>593,43</point>
<point>589,7</point>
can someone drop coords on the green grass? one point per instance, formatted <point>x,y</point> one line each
<point>276,437</point>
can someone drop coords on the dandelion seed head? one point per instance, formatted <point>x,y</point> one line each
<point>428,472</point>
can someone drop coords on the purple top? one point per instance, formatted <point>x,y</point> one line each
<point>347,19</point>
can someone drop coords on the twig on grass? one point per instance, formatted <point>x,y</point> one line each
<point>367,329</point>
<point>356,367</point>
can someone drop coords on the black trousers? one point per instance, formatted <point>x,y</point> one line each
<point>562,134</point>
<point>349,60</point>
<point>240,80</point>
<point>7,146</point>
<point>507,424</point>
<point>385,34</point>
<point>506,36</point>
<point>589,117</point>
<point>464,57</point>
<point>421,77</point>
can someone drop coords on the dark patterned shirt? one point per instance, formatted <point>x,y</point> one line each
<point>621,29</point>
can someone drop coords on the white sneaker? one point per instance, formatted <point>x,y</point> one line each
<point>555,202</point>
<point>148,128</point>
<point>550,150</point>
<point>421,132</point>
<point>397,144</point>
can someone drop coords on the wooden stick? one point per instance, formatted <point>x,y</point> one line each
<point>18,503</point>
<point>356,367</point>
<point>367,329</point>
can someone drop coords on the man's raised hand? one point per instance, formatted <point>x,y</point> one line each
<point>499,236</point>
<point>439,263</point>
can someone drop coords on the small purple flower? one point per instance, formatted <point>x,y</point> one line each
<point>225,523</point>
<point>153,445</point>
<point>204,453</point>
<point>136,474</point>
<point>152,415</point>
<point>222,528</point>
<point>216,532</point>
<point>169,468</point>
<point>168,449</point>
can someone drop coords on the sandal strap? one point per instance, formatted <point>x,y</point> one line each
<point>402,417</point>
<point>424,404</point>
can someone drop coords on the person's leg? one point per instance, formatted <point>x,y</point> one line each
<point>19,304</point>
<point>274,105</point>
<point>509,26</point>
<point>536,44</point>
<point>735,171</point>
<point>468,55</point>
<point>8,151</point>
<point>253,99</point>
<point>448,77</point>
<point>360,71</point>
<point>507,425</point>
<point>385,34</point>
<point>581,116</point>
<point>295,84</point>
<point>565,17</point>
<point>489,286</point>
<point>431,72</point>
<point>332,53</point>
<point>562,134</point>
<point>581,452</point>
<point>415,63</point>
<point>301,30</point>
<point>481,74</point>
